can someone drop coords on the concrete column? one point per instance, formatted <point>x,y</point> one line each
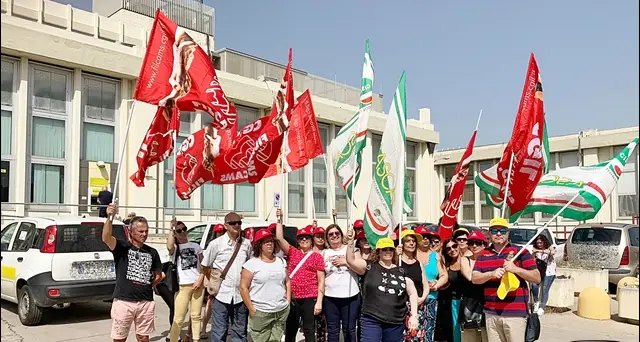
<point>75,129</point>
<point>21,117</point>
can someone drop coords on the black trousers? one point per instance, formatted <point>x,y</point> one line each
<point>301,309</point>
<point>167,297</point>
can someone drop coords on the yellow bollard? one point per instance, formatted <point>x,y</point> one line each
<point>594,303</point>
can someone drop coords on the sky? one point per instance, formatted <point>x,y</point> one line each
<point>460,56</point>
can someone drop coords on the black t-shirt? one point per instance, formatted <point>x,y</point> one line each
<point>414,272</point>
<point>135,269</point>
<point>384,294</point>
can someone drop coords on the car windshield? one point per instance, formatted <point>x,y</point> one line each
<point>521,236</point>
<point>597,235</point>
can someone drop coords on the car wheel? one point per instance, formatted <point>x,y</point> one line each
<point>636,273</point>
<point>28,312</point>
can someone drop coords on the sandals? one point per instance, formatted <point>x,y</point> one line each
<point>204,335</point>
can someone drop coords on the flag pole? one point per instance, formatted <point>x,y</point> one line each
<point>329,178</point>
<point>478,122</point>
<point>175,158</point>
<point>539,230</point>
<point>352,200</point>
<point>116,183</point>
<point>506,190</point>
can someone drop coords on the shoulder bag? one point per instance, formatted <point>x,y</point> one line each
<point>533,322</point>
<point>471,312</point>
<point>172,274</point>
<point>216,277</point>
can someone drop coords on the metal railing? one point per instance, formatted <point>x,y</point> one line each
<point>159,217</point>
<point>189,14</point>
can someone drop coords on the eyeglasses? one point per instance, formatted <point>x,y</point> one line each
<point>387,249</point>
<point>426,236</point>
<point>451,247</point>
<point>473,243</point>
<point>435,242</point>
<point>495,231</point>
<point>332,234</point>
<point>318,236</point>
<point>304,237</point>
<point>461,239</point>
<point>234,223</point>
<point>180,230</point>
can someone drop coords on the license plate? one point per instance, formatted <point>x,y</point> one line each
<point>93,270</point>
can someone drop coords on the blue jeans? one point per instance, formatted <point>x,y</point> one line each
<point>372,330</point>
<point>341,312</point>
<point>220,315</point>
<point>546,286</point>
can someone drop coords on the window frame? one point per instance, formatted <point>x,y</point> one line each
<point>209,211</point>
<point>324,166</point>
<point>11,157</point>
<point>253,213</point>
<point>303,186</point>
<point>413,194</point>
<point>337,184</point>
<point>101,122</point>
<point>66,118</point>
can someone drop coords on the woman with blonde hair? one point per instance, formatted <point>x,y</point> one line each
<point>386,291</point>
<point>414,270</point>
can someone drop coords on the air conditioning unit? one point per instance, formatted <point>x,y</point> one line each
<point>263,78</point>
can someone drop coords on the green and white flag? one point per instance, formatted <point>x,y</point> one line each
<point>593,184</point>
<point>388,198</point>
<point>347,147</point>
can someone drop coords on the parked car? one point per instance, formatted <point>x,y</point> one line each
<point>49,261</point>
<point>520,235</point>
<point>202,233</point>
<point>612,246</point>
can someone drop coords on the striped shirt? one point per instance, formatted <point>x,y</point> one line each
<point>515,303</point>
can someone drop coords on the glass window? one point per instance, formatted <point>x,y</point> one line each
<point>49,90</point>
<point>448,171</point>
<point>7,234</point>
<point>170,194</point>
<point>245,198</point>
<point>341,203</point>
<point>411,158</point>
<point>99,142</point>
<point>320,172</point>
<point>47,183</point>
<point>48,138</point>
<point>634,236</point>
<point>8,70</point>
<point>296,199</point>
<point>212,196</point>
<point>8,90</point>
<point>100,99</point>
<point>568,159</point>
<point>186,118</point>
<point>468,213</point>
<point>627,187</point>
<point>7,132</point>
<point>5,177</point>
<point>376,140</point>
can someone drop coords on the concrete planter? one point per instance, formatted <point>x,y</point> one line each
<point>586,278</point>
<point>628,299</point>
<point>561,293</point>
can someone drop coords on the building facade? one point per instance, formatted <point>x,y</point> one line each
<point>584,148</point>
<point>67,81</point>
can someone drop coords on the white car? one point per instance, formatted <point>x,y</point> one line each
<point>520,235</point>
<point>202,233</point>
<point>56,260</point>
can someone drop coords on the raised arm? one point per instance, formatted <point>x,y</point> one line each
<point>357,265</point>
<point>171,239</point>
<point>282,242</point>
<point>107,227</point>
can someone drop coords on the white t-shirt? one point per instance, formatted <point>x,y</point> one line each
<point>551,262</point>
<point>188,262</point>
<point>340,281</point>
<point>267,290</point>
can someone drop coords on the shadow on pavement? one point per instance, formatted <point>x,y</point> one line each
<point>76,313</point>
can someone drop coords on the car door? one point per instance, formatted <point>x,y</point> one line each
<point>9,264</point>
<point>25,252</point>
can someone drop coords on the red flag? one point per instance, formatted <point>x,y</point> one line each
<point>158,142</point>
<point>453,196</point>
<point>302,139</point>
<point>176,71</point>
<point>525,144</point>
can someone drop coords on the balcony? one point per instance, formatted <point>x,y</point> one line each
<point>242,64</point>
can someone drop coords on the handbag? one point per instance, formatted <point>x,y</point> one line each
<point>471,313</point>
<point>216,277</point>
<point>172,275</point>
<point>533,323</point>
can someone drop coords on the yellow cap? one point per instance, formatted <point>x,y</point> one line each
<point>408,232</point>
<point>498,222</point>
<point>461,230</point>
<point>384,243</point>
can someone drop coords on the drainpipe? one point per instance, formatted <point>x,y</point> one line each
<point>580,154</point>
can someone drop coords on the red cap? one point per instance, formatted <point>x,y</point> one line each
<point>308,230</point>
<point>476,235</point>
<point>421,230</point>
<point>361,235</point>
<point>248,233</point>
<point>359,224</point>
<point>318,230</point>
<point>261,234</point>
<point>273,226</point>
<point>218,228</point>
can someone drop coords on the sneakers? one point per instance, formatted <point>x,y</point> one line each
<point>540,311</point>
<point>536,306</point>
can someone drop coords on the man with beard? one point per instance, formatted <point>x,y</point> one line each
<point>138,270</point>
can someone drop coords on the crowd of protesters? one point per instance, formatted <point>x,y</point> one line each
<point>410,287</point>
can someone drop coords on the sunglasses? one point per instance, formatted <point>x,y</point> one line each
<point>387,249</point>
<point>461,239</point>
<point>333,234</point>
<point>495,231</point>
<point>474,243</point>
<point>435,242</point>
<point>180,230</point>
<point>451,247</point>
<point>426,236</point>
<point>234,223</point>
<point>304,237</point>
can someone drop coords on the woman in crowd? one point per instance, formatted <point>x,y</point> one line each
<point>434,239</point>
<point>218,230</point>
<point>447,326</point>
<point>544,252</point>
<point>306,273</point>
<point>471,307</point>
<point>414,270</point>
<point>424,247</point>
<point>386,291</point>
<point>266,290</point>
<point>319,246</point>
<point>436,278</point>
<point>364,249</point>
<point>318,239</point>
<point>190,295</point>
<point>342,295</point>
<point>460,236</point>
